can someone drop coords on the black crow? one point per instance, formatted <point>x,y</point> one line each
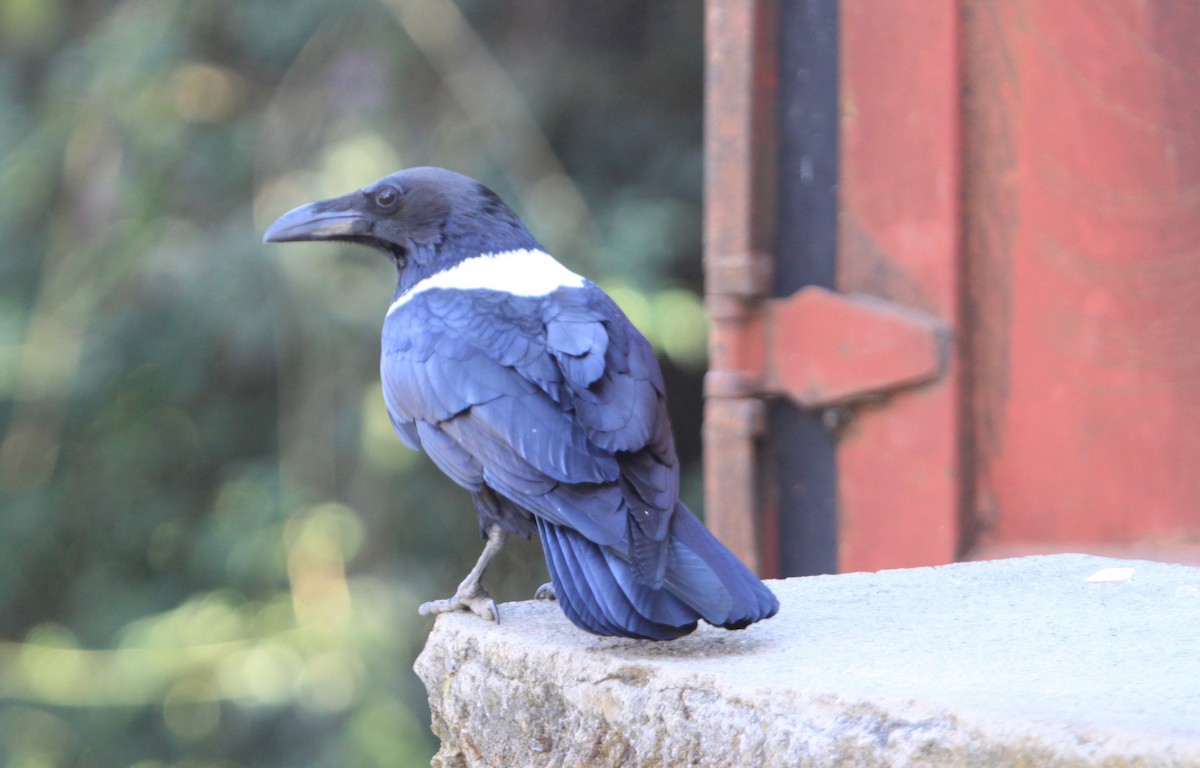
<point>528,386</point>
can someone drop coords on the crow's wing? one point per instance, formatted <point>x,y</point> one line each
<point>554,402</point>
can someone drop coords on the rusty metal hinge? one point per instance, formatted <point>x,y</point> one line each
<point>819,347</point>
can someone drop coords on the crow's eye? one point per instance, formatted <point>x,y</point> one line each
<point>386,197</point>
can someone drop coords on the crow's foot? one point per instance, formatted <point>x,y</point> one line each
<point>470,595</point>
<point>478,602</point>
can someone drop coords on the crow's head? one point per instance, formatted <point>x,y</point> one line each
<point>424,218</point>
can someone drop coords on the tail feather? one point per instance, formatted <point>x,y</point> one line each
<point>565,572</point>
<point>588,589</point>
<point>614,601</point>
<point>742,599</point>
<point>599,591</point>
<point>657,603</point>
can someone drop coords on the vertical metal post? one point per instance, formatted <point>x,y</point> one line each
<point>801,448</point>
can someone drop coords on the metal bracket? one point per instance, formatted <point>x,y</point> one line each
<point>826,348</point>
<point>821,348</point>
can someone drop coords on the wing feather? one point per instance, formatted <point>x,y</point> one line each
<point>565,417</point>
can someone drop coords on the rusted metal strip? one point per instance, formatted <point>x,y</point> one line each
<point>733,427</point>
<point>739,186</point>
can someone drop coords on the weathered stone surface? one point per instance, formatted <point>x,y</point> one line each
<point>1013,662</point>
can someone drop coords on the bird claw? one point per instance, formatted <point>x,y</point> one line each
<point>545,592</point>
<point>481,604</point>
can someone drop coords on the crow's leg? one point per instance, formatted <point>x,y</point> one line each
<point>471,596</point>
<point>546,592</point>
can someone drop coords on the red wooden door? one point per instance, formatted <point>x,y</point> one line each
<point>1083,220</point>
<point>1013,346</point>
<point>900,462</point>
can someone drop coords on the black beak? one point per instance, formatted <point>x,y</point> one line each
<point>334,219</point>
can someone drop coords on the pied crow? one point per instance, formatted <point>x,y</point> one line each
<point>527,385</point>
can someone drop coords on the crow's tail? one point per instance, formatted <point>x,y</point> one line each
<point>598,591</point>
<point>707,576</point>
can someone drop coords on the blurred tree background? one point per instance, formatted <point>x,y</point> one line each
<point>212,546</point>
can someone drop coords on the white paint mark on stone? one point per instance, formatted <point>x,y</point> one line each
<point>1110,575</point>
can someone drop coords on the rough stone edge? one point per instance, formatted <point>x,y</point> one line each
<point>497,704</point>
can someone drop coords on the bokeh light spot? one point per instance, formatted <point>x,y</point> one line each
<point>682,326</point>
<point>328,682</point>
<point>203,93</point>
<point>190,710</point>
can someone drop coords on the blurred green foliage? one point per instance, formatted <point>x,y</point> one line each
<point>211,544</point>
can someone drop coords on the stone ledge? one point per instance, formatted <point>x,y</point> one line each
<point>1008,662</point>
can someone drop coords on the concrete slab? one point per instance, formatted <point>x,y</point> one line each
<point>1006,662</point>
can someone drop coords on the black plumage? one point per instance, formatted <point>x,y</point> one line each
<point>526,385</point>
